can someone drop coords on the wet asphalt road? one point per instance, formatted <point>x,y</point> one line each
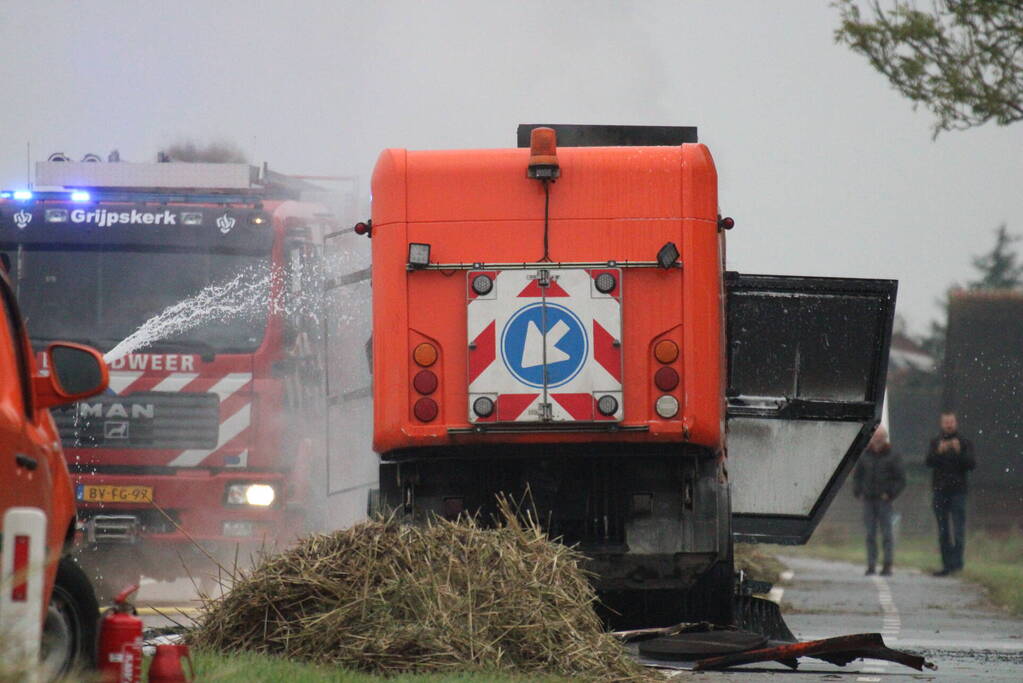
<point>943,619</point>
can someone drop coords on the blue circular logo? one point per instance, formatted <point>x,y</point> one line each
<point>522,345</point>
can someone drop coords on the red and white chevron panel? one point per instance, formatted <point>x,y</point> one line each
<point>545,353</point>
<point>234,389</point>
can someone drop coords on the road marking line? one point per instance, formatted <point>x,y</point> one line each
<point>869,679</point>
<point>891,622</point>
<point>874,670</point>
<point>167,609</point>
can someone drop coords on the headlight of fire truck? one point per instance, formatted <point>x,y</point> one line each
<point>261,495</point>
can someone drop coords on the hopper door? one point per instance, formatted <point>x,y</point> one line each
<point>807,359</point>
<point>544,346</point>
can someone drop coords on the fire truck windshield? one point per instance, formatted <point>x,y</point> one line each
<point>100,296</point>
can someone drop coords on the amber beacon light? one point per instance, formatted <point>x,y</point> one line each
<point>543,154</point>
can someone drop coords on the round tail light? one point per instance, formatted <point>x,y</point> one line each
<point>425,409</point>
<point>667,406</point>
<point>425,355</point>
<point>425,382</point>
<point>666,379</point>
<point>606,283</point>
<point>482,284</point>
<point>666,351</point>
<point>607,405</point>
<point>483,406</point>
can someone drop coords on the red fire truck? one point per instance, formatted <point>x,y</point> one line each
<point>555,322</point>
<point>203,440</point>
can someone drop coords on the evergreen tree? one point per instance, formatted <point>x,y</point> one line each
<point>999,268</point>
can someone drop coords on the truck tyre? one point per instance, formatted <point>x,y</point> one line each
<point>69,632</point>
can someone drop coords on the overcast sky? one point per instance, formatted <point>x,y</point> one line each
<point>825,168</point>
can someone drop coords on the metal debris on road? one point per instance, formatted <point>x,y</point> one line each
<point>839,651</point>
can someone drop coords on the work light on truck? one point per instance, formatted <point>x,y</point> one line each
<point>80,196</point>
<point>56,215</point>
<point>260,495</point>
<point>418,255</point>
<point>191,218</point>
<point>668,255</point>
<point>23,195</point>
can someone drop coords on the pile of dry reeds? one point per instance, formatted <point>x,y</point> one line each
<point>385,597</point>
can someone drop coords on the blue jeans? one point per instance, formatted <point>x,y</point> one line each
<point>950,509</point>
<point>878,513</point>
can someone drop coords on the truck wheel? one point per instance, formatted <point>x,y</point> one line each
<point>69,632</point>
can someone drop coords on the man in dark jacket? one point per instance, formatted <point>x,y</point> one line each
<point>878,479</point>
<point>950,457</point>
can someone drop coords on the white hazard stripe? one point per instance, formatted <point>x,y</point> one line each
<point>176,382</point>
<point>119,381</point>
<point>230,384</point>
<point>229,428</point>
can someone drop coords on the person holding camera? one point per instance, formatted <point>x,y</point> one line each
<point>878,479</point>
<point>950,457</point>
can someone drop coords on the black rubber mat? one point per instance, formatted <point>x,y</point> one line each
<point>698,645</point>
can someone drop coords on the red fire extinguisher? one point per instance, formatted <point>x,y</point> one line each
<point>166,665</point>
<point>120,641</point>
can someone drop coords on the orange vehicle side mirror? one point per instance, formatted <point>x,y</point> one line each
<point>76,372</point>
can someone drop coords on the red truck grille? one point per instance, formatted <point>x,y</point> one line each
<point>157,420</point>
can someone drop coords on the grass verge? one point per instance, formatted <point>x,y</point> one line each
<point>258,668</point>
<point>994,561</point>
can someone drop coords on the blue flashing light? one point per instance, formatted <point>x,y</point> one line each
<point>5,195</point>
<point>80,196</point>
<point>23,195</point>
